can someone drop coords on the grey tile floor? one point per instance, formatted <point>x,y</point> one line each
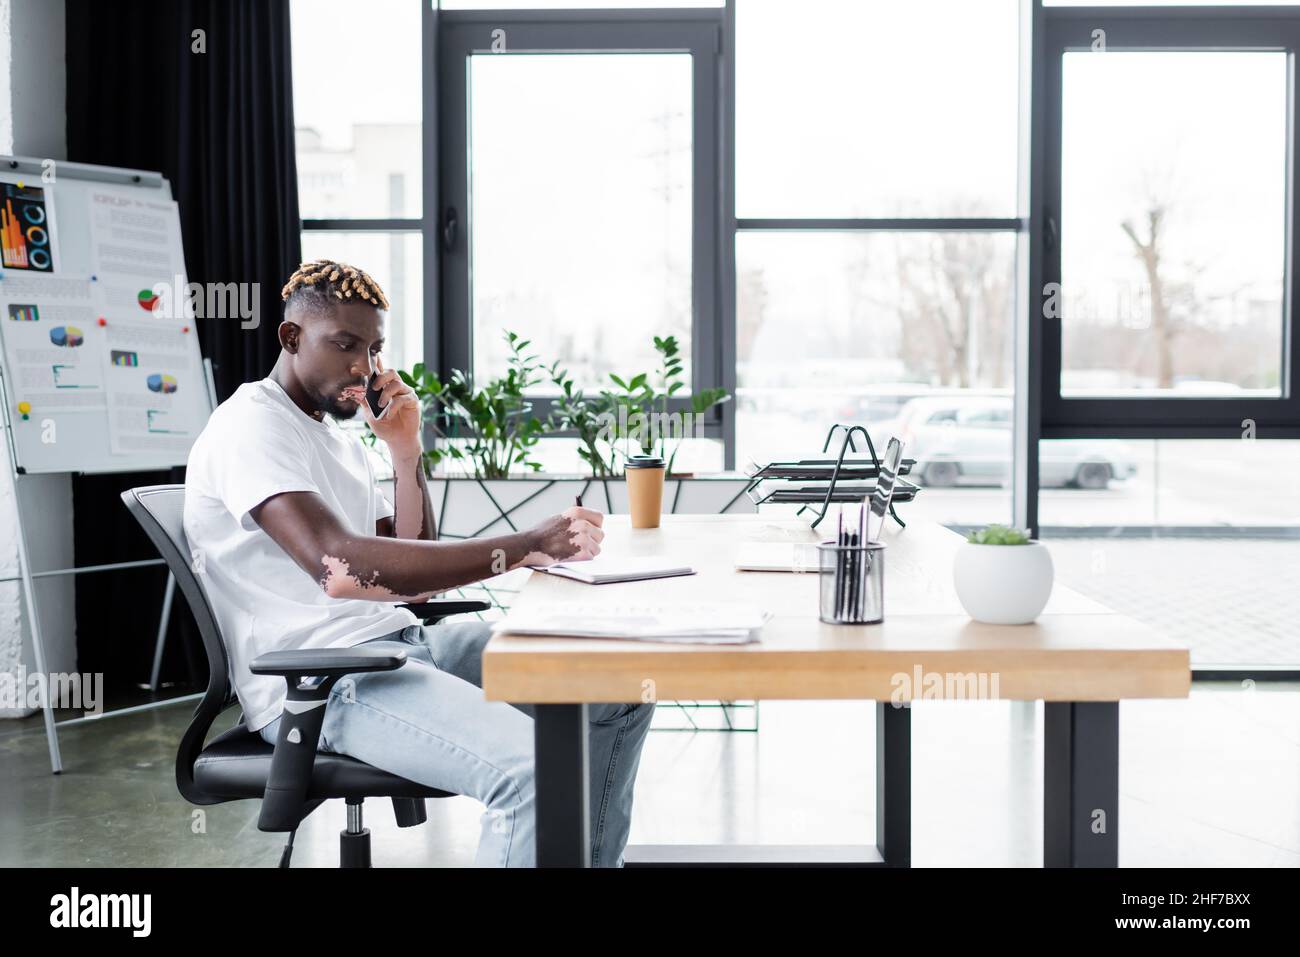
<point>1205,782</point>
<point>1229,600</point>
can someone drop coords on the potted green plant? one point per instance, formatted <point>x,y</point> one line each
<point>638,413</point>
<point>587,417</point>
<point>1002,576</point>
<point>491,427</point>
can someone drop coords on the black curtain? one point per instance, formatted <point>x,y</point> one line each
<point>201,91</point>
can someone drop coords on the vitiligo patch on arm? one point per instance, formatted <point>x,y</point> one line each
<point>408,520</point>
<point>339,581</point>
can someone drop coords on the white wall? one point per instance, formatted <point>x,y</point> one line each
<point>33,85</point>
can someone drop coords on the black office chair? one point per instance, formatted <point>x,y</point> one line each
<point>292,778</point>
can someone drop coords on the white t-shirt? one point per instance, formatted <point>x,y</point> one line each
<point>257,444</point>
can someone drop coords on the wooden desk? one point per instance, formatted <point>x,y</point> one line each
<point>1079,657</point>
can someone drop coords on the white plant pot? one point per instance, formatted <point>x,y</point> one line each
<point>1003,584</point>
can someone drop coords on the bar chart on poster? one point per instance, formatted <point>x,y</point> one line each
<point>102,370</point>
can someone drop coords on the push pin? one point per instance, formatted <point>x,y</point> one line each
<point>102,321</point>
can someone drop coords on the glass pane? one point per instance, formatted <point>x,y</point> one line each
<point>858,109</point>
<point>1172,246</point>
<point>571,4</point>
<point>357,114</point>
<point>1146,528</point>
<point>560,456</point>
<point>393,261</point>
<point>909,334</point>
<point>580,182</point>
<point>1169,3</point>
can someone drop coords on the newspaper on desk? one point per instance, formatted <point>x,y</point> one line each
<point>707,623</point>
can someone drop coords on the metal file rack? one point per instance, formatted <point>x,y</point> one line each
<point>839,481</point>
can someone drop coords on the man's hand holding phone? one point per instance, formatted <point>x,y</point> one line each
<point>397,419</point>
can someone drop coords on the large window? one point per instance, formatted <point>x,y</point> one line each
<point>909,333</point>
<point>1166,477</point>
<point>1048,245</point>
<point>1173,248</point>
<point>585,247</point>
<point>359,151</point>
<point>1168,279</point>
<point>876,203</point>
<point>580,199</point>
<point>876,108</point>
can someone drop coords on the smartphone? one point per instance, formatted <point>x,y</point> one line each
<point>372,396</point>
<point>884,492</point>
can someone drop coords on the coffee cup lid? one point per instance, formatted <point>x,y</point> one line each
<point>645,462</point>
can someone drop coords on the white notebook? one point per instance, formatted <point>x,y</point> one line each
<point>778,557</point>
<point>711,623</point>
<point>602,569</point>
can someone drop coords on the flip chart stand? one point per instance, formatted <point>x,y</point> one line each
<point>27,577</point>
<point>79,174</point>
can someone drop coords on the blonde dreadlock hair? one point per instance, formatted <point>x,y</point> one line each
<point>323,283</point>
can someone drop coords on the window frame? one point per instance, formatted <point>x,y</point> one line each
<point>1209,29</point>
<point>404,224</point>
<point>1016,225</point>
<point>1039,412</point>
<point>698,31</point>
<point>1046,31</point>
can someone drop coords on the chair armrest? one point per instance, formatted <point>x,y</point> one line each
<point>442,607</point>
<point>327,662</point>
<point>284,802</point>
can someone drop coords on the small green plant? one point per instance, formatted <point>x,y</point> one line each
<point>998,535</point>
<point>640,410</point>
<point>492,426</point>
<point>587,416</point>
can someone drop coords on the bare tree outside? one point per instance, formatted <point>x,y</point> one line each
<point>955,310</point>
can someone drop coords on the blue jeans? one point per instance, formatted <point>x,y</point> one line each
<point>428,722</point>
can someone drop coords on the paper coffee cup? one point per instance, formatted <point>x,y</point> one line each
<point>645,489</point>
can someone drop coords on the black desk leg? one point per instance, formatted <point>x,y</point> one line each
<point>563,819</point>
<point>1081,784</point>
<point>894,783</point>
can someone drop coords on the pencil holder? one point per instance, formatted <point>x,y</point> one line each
<point>852,583</point>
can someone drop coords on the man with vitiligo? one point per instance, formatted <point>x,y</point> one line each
<point>299,549</point>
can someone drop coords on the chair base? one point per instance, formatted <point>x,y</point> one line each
<point>354,848</point>
<point>354,843</point>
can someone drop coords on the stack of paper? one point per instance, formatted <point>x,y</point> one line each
<point>598,571</point>
<point>711,623</point>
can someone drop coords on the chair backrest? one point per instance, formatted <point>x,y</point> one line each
<point>160,511</point>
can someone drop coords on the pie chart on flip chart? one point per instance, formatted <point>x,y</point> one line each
<point>67,336</point>
<point>161,382</point>
<point>148,300</point>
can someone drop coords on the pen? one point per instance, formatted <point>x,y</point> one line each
<point>860,578</point>
<point>839,567</point>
